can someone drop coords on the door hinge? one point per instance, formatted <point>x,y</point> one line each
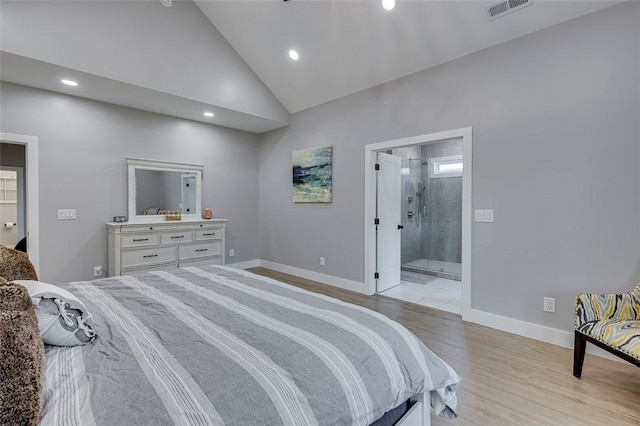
<point>376,276</point>
<point>376,221</point>
<point>377,166</point>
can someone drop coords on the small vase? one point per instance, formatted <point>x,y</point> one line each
<point>207,214</point>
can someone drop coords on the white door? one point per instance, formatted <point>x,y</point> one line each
<point>388,231</point>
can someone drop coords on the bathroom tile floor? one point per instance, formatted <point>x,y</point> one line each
<point>427,290</point>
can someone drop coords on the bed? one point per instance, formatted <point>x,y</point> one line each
<point>214,345</point>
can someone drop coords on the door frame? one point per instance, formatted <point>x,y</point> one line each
<point>32,199</point>
<point>370,151</point>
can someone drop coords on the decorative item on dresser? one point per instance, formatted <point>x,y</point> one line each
<point>139,246</point>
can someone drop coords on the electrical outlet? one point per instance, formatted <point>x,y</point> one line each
<point>321,260</point>
<point>232,252</point>
<point>549,304</point>
<point>97,271</point>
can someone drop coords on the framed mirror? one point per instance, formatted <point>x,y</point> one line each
<point>156,187</point>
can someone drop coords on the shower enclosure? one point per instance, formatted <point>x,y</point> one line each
<point>432,208</point>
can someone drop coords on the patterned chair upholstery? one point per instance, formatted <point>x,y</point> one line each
<point>610,321</point>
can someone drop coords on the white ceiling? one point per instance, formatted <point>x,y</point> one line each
<point>349,45</point>
<point>345,46</point>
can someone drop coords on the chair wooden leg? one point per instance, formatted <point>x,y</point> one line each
<point>579,347</point>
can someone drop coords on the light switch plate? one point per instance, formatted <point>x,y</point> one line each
<point>484,216</point>
<point>66,214</point>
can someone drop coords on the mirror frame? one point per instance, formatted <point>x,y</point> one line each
<point>134,164</point>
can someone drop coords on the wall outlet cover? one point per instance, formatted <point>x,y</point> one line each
<point>549,304</point>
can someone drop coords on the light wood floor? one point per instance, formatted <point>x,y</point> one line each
<point>508,379</point>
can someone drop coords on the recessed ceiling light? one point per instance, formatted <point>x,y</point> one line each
<point>69,82</point>
<point>388,4</point>
<point>167,3</point>
<point>294,55</point>
<point>208,114</point>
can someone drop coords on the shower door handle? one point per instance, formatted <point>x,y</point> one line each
<point>400,226</point>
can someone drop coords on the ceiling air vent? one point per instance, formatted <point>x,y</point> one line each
<point>501,8</point>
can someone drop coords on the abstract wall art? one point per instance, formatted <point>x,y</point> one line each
<point>312,170</point>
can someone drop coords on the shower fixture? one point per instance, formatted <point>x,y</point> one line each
<point>421,204</point>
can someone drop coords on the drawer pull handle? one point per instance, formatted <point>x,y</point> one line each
<point>202,249</point>
<point>150,255</point>
<point>208,235</point>
<point>178,236</point>
<point>141,239</point>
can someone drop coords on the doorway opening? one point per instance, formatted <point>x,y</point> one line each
<point>19,153</point>
<point>431,221</point>
<point>12,214</point>
<point>425,249</point>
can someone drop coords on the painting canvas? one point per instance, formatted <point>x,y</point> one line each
<point>312,175</point>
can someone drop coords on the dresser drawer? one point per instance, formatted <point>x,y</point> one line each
<point>200,250</point>
<point>174,237</point>
<point>208,234</point>
<point>199,261</point>
<point>142,228</point>
<point>148,256</point>
<point>140,240</point>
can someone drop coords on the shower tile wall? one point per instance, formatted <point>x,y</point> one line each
<point>411,234</point>
<point>442,229</point>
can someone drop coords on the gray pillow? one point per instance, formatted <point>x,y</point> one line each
<point>63,320</point>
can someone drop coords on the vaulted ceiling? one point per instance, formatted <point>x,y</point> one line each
<point>348,46</point>
<point>231,57</point>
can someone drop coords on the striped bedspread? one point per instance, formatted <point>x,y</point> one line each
<point>215,345</point>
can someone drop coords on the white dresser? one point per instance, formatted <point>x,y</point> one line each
<point>140,246</point>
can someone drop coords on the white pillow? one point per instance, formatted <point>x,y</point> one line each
<point>63,319</point>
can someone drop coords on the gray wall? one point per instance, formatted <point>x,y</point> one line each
<point>82,147</point>
<point>548,111</point>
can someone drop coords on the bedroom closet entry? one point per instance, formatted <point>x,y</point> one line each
<point>12,194</point>
<point>419,221</point>
<point>19,194</point>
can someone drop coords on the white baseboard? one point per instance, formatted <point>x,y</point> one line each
<point>510,325</point>
<point>244,265</point>
<point>316,276</point>
<point>533,331</point>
